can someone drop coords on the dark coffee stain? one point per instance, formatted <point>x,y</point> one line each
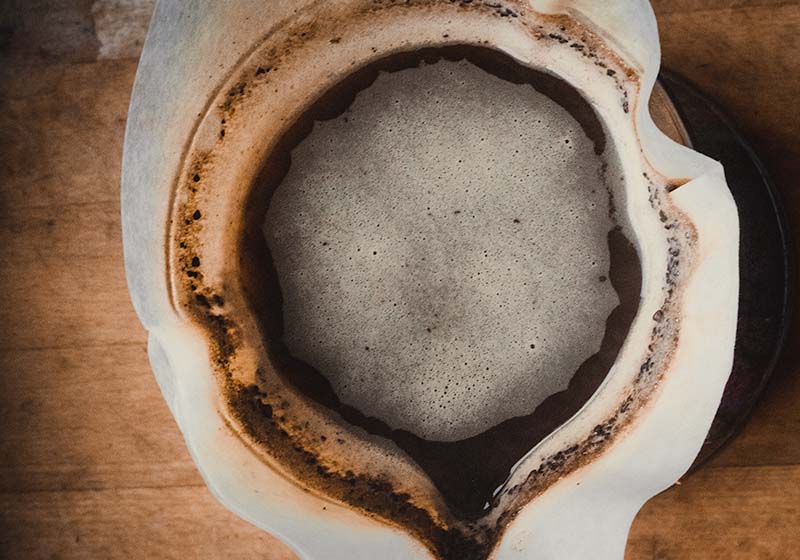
<point>674,184</point>
<point>370,493</point>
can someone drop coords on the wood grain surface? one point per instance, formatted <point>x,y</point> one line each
<point>92,465</point>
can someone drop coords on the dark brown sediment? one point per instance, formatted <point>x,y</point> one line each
<point>465,472</point>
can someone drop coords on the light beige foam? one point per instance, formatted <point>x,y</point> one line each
<point>440,248</point>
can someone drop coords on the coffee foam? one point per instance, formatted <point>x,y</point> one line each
<point>442,249</point>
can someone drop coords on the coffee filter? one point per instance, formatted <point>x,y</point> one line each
<point>576,504</point>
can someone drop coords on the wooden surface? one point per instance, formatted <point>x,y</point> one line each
<point>92,464</point>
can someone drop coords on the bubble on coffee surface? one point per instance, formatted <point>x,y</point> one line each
<point>442,250</point>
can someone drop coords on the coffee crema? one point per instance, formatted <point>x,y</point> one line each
<point>442,264</point>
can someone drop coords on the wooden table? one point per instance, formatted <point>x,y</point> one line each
<point>92,465</point>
